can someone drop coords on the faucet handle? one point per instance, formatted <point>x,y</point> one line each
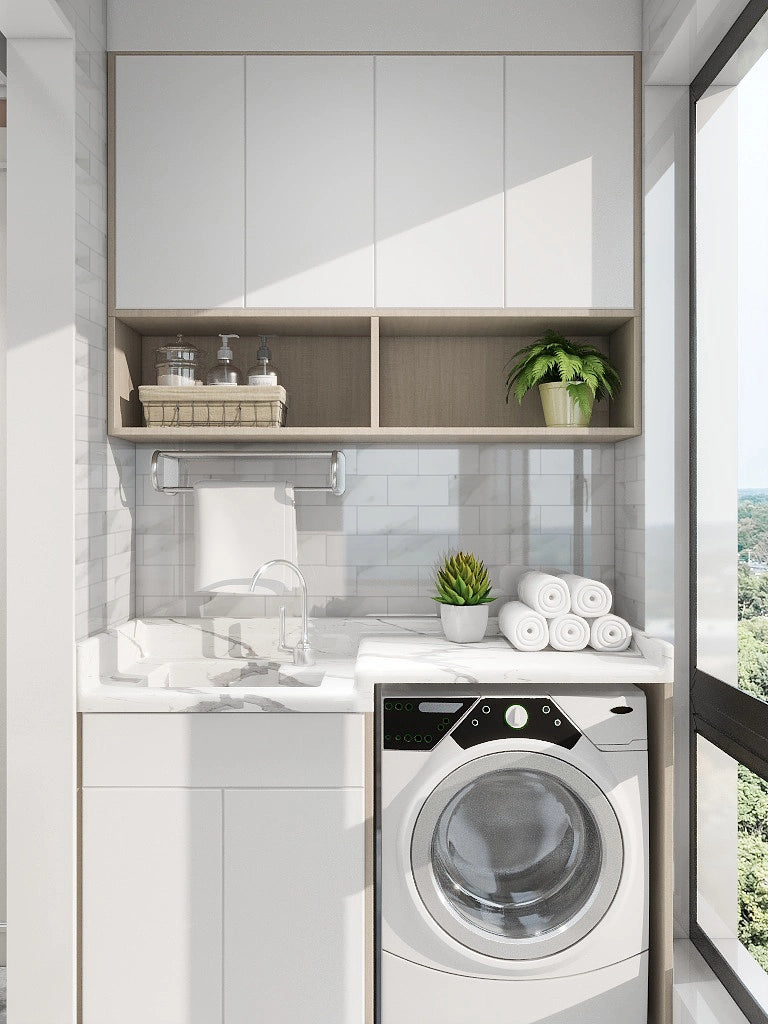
<point>281,641</point>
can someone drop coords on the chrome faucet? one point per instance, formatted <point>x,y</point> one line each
<point>302,652</point>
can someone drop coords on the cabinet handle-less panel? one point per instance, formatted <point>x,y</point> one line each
<point>569,169</point>
<point>179,185</point>
<point>309,181</point>
<point>294,880</point>
<point>223,750</point>
<point>152,916</point>
<point>439,181</point>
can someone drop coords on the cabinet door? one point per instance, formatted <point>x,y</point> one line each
<point>439,181</point>
<point>294,906</point>
<point>179,184</point>
<point>151,927</point>
<point>569,177</point>
<point>309,181</point>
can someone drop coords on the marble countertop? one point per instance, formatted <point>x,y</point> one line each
<point>223,665</point>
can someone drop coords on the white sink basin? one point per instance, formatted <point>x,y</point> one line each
<point>300,675</point>
<point>221,673</point>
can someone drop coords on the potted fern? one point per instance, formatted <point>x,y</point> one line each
<point>570,378</point>
<point>463,593</point>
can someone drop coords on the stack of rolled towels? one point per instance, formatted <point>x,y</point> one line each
<point>565,612</point>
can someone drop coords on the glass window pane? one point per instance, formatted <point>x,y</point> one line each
<point>732,414</point>
<point>517,853</point>
<point>732,864</point>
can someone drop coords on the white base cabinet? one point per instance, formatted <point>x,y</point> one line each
<point>223,873</point>
<point>293,889</point>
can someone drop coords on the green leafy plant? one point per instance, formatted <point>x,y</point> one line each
<point>462,579</point>
<point>551,359</point>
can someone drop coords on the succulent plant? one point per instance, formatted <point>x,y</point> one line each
<point>462,579</point>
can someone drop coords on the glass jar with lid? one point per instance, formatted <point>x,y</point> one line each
<point>176,364</point>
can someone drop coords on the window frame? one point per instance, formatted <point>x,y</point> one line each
<point>730,719</point>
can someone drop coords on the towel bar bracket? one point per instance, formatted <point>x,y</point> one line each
<point>337,475</point>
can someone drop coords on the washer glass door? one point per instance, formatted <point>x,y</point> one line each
<point>517,854</point>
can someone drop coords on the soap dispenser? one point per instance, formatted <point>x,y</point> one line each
<point>264,372</point>
<point>225,372</point>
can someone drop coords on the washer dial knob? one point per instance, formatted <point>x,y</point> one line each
<point>516,716</point>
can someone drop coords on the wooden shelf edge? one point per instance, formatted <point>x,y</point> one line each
<point>373,435</point>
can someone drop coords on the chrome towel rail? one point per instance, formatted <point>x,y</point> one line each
<point>337,475</point>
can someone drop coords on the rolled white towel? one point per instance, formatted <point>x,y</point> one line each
<point>590,598</point>
<point>568,633</point>
<point>546,594</point>
<point>610,633</point>
<point>525,629</point>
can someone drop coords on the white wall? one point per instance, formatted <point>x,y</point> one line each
<point>679,36</point>
<point>40,543</point>
<point>374,25</point>
<point>104,471</point>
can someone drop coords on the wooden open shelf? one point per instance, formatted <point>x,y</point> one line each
<point>379,375</point>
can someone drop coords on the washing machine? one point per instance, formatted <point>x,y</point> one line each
<point>512,854</point>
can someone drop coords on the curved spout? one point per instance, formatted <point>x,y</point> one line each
<point>303,648</point>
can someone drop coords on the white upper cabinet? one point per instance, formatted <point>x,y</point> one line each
<point>569,170</point>
<point>179,189</point>
<point>309,181</point>
<point>439,181</point>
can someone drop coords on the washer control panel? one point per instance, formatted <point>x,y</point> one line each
<point>419,723</point>
<point>528,718</point>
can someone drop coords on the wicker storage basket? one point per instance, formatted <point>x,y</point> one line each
<point>213,406</point>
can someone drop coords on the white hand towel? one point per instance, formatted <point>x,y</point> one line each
<point>238,527</point>
<point>546,594</point>
<point>568,633</point>
<point>525,629</point>
<point>610,633</point>
<point>590,598</point>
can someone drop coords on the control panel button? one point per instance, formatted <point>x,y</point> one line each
<point>516,716</point>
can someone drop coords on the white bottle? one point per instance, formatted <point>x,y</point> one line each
<point>225,373</point>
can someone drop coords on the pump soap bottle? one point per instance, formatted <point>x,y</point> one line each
<point>265,371</point>
<point>225,372</point>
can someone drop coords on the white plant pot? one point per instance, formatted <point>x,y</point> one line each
<point>464,624</point>
<point>560,410</point>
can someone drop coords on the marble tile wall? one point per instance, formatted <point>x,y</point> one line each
<point>105,469</point>
<point>372,550</point>
<point>630,530</point>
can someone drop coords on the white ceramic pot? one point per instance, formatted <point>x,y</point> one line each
<point>464,624</point>
<point>560,410</point>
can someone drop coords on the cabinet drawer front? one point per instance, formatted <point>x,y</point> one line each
<point>265,750</point>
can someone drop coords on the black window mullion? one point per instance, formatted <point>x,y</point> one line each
<point>732,720</point>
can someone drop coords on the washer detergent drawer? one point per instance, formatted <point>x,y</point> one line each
<point>411,994</point>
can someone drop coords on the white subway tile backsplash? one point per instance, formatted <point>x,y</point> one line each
<point>388,581</point>
<point>551,490</point>
<point>448,461</point>
<point>418,549</point>
<point>388,519</point>
<point>373,550</point>
<point>418,490</point>
<point>558,460</point>
<point>480,489</point>
<point>357,550</point>
<point>445,519</point>
<point>389,461</point>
